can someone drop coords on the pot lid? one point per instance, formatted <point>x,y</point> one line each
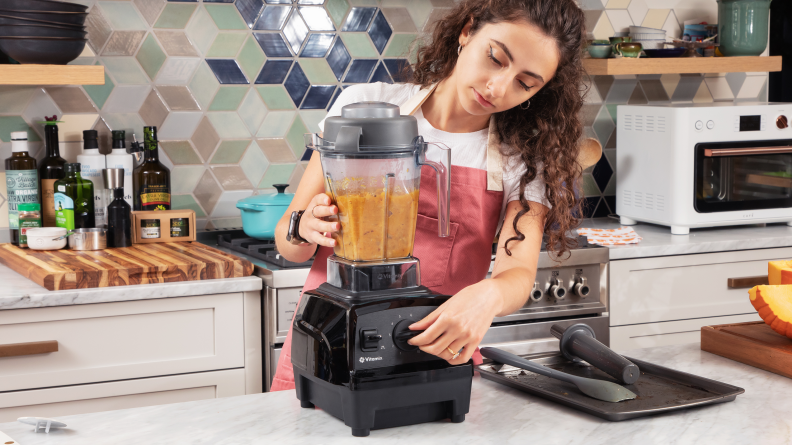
<point>270,199</point>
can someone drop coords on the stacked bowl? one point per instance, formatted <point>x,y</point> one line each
<point>649,38</point>
<point>42,31</point>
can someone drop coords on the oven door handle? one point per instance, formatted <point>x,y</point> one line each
<point>719,152</point>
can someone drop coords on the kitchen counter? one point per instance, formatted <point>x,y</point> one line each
<point>658,240</point>
<point>498,415</point>
<point>18,292</point>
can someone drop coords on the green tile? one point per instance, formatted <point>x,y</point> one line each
<point>318,71</point>
<point>201,30</point>
<point>122,16</point>
<point>100,93</point>
<point>180,152</point>
<point>228,98</point>
<point>230,152</point>
<point>14,99</point>
<point>129,122</point>
<point>151,56</point>
<point>337,10</point>
<point>226,44</point>
<point>276,174</point>
<point>359,44</point>
<point>228,125</point>
<point>589,186</point>
<point>186,202</point>
<point>125,70</point>
<point>175,15</point>
<point>296,137</point>
<point>185,178</point>
<point>420,11</point>
<point>251,58</point>
<point>311,118</point>
<point>612,111</point>
<point>276,124</point>
<point>276,97</point>
<point>610,189</point>
<point>399,45</point>
<point>252,111</point>
<point>9,124</point>
<point>254,163</point>
<point>204,85</point>
<point>603,125</point>
<point>225,16</point>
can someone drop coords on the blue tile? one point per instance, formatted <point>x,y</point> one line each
<point>338,58</point>
<point>273,44</point>
<point>335,96</point>
<point>602,173</point>
<point>381,75</point>
<point>274,72</point>
<point>295,32</point>
<point>360,70</point>
<point>250,10</point>
<point>399,69</point>
<point>227,71</point>
<point>317,19</point>
<point>272,18</point>
<point>318,97</point>
<point>317,45</point>
<point>359,19</point>
<point>306,156</point>
<point>380,32</point>
<point>297,84</point>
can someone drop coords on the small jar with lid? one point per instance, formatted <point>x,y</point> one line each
<point>29,217</point>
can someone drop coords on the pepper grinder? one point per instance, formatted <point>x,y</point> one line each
<point>119,222</point>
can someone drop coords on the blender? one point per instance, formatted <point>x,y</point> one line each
<point>350,350</point>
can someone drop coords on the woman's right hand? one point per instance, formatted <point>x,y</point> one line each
<point>314,229</point>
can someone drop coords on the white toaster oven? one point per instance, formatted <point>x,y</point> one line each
<point>704,165</point>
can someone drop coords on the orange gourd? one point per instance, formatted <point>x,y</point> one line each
<point>774,304</point>
<point>779,272</point>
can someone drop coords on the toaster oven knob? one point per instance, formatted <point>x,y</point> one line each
<point>557,290</point>
<point>402,334</point>
<point>581,288</point>
<point>782,122</point>
<point>536,293</point>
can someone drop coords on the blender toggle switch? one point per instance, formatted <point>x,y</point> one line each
<point>370,339</point>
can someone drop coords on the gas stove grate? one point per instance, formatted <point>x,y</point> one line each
<point>263,250</point>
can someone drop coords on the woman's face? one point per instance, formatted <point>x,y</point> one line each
<point>502,65</point>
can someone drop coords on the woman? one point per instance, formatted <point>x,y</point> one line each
<point>500,85</point>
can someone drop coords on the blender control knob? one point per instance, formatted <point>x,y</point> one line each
<point>557,289</point>
<point>782,122</point>
<point>536,293</point>
<point>402,334</point>
<point>581,288</point>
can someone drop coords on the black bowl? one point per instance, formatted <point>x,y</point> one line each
<point>43,5</point>
<point>42,50</point>
<point>57,17</point>
<point>10,20</point>
<point>40,31</point>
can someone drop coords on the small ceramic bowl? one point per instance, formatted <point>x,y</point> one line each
<point>46,238</point>
<point>632,50</point>
<point>599,51</point>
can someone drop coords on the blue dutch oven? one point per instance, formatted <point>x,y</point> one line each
<point>261,213</point>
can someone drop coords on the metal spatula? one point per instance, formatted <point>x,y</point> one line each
<point>598,389</point>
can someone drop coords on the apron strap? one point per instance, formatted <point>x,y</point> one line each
<point>494,157</point>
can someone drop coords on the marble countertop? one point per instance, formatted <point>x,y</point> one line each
<point>658,240</point>
<point>18,292</point>
<point>498,414</point>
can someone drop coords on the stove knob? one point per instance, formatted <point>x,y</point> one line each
<point>369,339</point>
<point>536,293</point>
<point>557,290</point>
<point>402,334</point>
<point>782,122</point>
<point>581,288</point>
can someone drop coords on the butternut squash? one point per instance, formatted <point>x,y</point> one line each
<point>774,304</point>
<point>779,272</point>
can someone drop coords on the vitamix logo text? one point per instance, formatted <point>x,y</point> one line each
<point>369,359</point>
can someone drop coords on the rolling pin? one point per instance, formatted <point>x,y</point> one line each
<point>578,342</point>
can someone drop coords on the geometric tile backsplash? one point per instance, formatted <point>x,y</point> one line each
<point>234,85</point>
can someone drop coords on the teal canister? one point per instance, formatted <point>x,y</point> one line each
<point>743,26</point>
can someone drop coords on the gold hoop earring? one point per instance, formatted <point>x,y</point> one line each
<point>525,105</point>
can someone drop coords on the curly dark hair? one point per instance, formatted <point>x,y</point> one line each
<point>548,132</point>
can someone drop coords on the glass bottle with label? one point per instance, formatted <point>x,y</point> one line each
<point>50,170</point>
<point>151,178</point>
<point>21,180</point>
<point>74,200</point>
<point>93,163</point>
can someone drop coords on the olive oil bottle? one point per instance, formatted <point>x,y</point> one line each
<point>74,200</point>
<point>151,179</point>
<point>21,180</point>
<point>51,169</point>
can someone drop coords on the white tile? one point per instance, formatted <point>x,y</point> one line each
<point>40,105</point>
<point>751,87</point>
<point>592,4</point>
<point>620,19</point>
<point>254,163</point>
<point>655,18</point>
<point>252,111</point>
<point>659,4</point>
<point>604,29</point>
<point>719,88</point>
<point>700,10</point>
<point>226,206</point>
<point>188,175</point>
<point>311,118</point>
<point>180,125</point>
<point>703,94</point>
<point>73,125</point>
<point>617,4</point>
<point>177,70</point>
<point>126,99</point>
<point>129,122</point>
<point>201,30</point>
<point>671,27</point>
<point>638,10</point>
<point>276,124</point>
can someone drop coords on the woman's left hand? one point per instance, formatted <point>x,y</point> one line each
<point>460,322</point>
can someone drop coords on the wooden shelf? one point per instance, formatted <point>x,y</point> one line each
<point>52,75</point>
<point>682,65</point>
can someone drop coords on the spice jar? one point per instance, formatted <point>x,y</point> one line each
<point>150,228</point>
<point>179,227</point>
<point>29,217</point>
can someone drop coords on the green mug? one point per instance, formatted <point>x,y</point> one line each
<point>627,49</point>
<point>616,40</point>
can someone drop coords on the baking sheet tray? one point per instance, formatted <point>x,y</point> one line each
<point>659,389</point>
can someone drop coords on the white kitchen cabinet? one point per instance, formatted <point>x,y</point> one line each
<point>666,300</point>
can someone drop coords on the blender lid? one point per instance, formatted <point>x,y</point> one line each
<point>370,127</point>
<point>270,199</point>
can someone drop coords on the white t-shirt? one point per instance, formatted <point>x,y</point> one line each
<point>467,149</point>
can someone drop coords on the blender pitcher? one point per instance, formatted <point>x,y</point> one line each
<point>371,158</point>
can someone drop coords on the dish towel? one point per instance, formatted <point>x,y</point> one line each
<point>611,237</point>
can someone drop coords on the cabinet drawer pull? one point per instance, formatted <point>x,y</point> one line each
<point>746,282</point>
<point>34,347</point>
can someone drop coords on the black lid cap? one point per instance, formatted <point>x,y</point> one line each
<point>90,139</point>
<point>72,167</point>
<point>119,139</point>
<point>379,125</point>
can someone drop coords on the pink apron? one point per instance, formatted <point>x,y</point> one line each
<point>449,264</point>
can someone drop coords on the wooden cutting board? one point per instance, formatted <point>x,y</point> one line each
<point>753,343</point>
<point>139,264</point>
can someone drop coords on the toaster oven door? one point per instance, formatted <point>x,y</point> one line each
<point>737,176</point>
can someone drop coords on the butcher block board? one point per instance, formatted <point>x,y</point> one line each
<point>753,343</point>
<point>139,264</point>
